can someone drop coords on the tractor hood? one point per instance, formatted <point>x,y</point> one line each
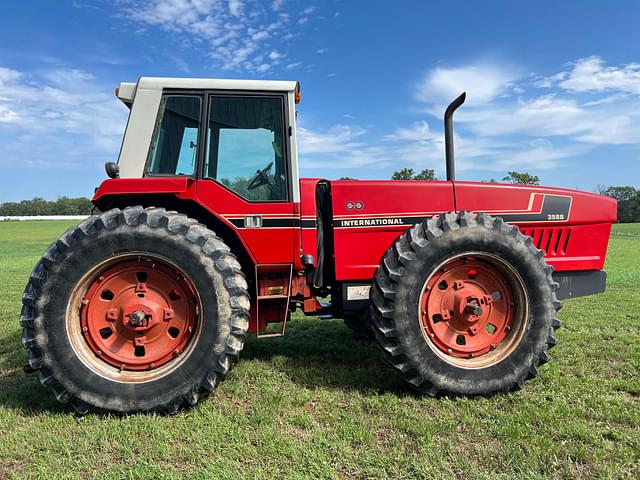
<point>528,204</point>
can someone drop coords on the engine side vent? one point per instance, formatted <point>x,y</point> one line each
<point>553,241</point>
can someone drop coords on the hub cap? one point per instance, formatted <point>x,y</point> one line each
<point>137,314</point>
<point>473,310</point>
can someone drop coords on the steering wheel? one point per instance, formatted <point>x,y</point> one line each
<point>261,178</point>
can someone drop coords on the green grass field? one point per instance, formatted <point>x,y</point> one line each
<point>317,404</point>
<point>632,229</point>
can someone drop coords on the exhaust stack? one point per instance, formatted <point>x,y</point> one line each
<point>448,136</point>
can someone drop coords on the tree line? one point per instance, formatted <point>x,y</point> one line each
<point>628,202</point>
<point>40,206</point>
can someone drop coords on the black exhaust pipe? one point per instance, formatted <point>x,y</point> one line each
<point>448,136</point>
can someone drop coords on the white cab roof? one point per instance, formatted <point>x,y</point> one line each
<point>126,91</point>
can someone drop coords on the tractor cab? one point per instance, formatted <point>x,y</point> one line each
<point>238,133</point>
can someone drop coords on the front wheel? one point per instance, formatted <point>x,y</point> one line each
<point>135,310</point>
<point>464,304</point>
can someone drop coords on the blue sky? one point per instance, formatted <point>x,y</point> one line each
<point>553,87</point>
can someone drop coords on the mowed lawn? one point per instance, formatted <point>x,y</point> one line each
<point>317,404</point>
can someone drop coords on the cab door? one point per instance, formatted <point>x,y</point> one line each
<point>245,172</point>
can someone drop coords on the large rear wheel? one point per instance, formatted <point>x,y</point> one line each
<point>464,304</point>
<point>135,310</point>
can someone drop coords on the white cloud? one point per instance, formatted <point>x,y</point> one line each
<point>58,118</point>
<point>541,116</point>
<point>591,75</point>
<point>233,32</point>
<point>235,7</point>
<point>482,82</point>
<point>7,115</point>
<point>8,75</point>
<point>338,139</point>
<point>417,132</point>
<point>338,148</point>
<point>539,154</point>
<point>68,76</point>
<point>322,50</point>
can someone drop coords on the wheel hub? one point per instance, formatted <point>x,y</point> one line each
<point>467,308</point>
<point>139,314</point>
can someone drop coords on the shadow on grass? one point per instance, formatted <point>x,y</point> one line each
<point>313,354</point>
<point>18,390</point>
<point>318,353</point>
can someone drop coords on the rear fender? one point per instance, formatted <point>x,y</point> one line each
<point>174,193</point>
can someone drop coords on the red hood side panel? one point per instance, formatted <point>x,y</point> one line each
<point>571,227</point>
<point>369,215</point>
<point>495,198</point>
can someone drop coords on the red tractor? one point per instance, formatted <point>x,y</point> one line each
<point>204,232</point>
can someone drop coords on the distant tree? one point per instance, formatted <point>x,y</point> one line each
<point>628,199</point>
<point>491,180</point>
<point>426,174</point>
<point>407,174</point>
<point>522,177</point>
<point>404,174</point>
<point>40,206</point>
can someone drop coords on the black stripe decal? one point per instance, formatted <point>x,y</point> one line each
<point>555,208</point>
<point>277,223</point>
<point>237,222</point>
<point>376,222</point>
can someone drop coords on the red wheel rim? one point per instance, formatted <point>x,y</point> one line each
<point>473,310</point>
<point>138,314</point>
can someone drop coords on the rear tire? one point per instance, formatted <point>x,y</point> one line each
<point>208,290</point>
<point>434,350</point>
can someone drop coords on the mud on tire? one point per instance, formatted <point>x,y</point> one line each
<point>396,304</point>
<point>202,256</point>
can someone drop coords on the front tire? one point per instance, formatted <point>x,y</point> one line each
<point>135,310</point>
<point>464,304</point>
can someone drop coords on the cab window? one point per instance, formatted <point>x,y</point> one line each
<point>175,140</point>
<point>245,148</point>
